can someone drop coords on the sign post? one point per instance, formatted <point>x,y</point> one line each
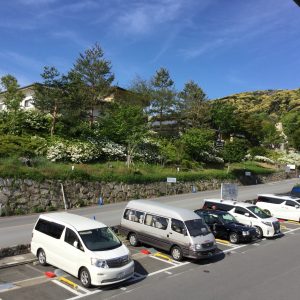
<point>170,180</point>
<point>229,191</point>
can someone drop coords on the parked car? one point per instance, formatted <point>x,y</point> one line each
<point>283,207</point>
<point>247,214</point>
<point>83,247</point>
<point>176,230</point>
<point>224,225</point>
<point>295,192</point>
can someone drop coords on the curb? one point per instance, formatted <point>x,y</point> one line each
<point>13,264</point>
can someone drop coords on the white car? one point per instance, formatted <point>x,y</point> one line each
<point>83,247</point>
<point>248,214</point>
<point>283,207</point>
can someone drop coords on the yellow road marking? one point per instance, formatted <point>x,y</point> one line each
<point>69,282</point>
<point>223,242</point>
<point>158,254</point>
<point>293,222</point>
<point>283,227</point>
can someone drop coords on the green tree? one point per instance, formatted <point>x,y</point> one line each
<point>224,118</point>
<point>291,125</point>
<point>94,71</point>
<point>194,107</point>
<point>198,143</point>
<point>13,96</point>
<point>235,151</point>
<point>50,96</point>
<point>163,97</point>
<point>124,124</point>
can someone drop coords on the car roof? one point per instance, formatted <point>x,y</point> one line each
<point>230,202</point>
<point>213,211</point>
<point>285,197</point>
<point>79,223</point>
<point>162,209</point>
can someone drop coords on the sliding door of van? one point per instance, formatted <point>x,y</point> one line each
<point>178,235</point>
<point>73,252</point>
<point>155,231</point>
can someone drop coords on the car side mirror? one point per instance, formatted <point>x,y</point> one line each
<point>184,231</point>
<point>247,214</point>
<point>297,206</point>
<point>75,244</point>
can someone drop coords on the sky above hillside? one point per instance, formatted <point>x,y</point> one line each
<point>226,46</point>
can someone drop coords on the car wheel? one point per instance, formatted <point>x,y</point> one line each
<point>233,238</point>
<point>259,232</point>
<point>85,277</point>
<point>176,253</point>
<point>133,241</point>
<point>42,257</point>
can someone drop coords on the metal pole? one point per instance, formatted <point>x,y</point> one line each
<point>63,194</point>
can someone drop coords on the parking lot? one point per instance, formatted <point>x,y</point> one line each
<point>29,281</point>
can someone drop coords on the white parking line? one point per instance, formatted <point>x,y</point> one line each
<point>167,269</point>
<point>67,288</point>
<point>164,260</point>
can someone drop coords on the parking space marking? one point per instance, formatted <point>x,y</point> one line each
<point>164,260</point>
<point>235,248</point>
<point>85,295</point>
<point>167,269</point>
<point>67,288</point>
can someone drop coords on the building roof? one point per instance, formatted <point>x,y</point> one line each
<point>77,222</point>
<point>162,209</point>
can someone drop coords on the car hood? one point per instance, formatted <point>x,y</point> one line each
<point>203,239</point>
<point>238,226</point>
<point>110,254</point>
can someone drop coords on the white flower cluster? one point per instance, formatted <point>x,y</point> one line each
<point>57,152</point>
<point>263,159</point>
<point>292,158</point>
<point>208,157</point>
<point>113,150</point>
<point>82,152</point>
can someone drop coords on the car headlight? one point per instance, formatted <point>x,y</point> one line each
<point>245,233</point>
<point>267,223</point>
<point>195,247</point>
<point>99,263</point>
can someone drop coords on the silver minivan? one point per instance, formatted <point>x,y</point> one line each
<point>176,230</point>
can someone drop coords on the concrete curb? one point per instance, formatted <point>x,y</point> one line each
<point>17,263</point>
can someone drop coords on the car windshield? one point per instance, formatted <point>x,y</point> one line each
<point>258,212</point>
<point>100,239</point>
<point>228,218</point>
<point>197,227</point>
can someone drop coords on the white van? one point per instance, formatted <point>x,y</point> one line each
<point>83,247</point>
<point>178,230</point>
<point>283,207</point>
<point>248,214</point>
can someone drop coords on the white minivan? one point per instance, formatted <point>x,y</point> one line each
<point>177,230</point>
<point>283,207</point>
<point>248,214</point>
<point>83,247</point>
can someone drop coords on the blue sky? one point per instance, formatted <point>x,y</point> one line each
<point>226,46</point>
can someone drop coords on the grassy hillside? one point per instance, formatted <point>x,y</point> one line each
<point>275,102</point>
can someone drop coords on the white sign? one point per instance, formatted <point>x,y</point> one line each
<point>229,191</point>
<point>171,179</point>
<point>247,173</point>
<point>292,167</point>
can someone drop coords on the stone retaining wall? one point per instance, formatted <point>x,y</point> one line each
<point>19,196</point>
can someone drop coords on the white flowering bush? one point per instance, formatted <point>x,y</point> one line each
<point>210,158</point>
<point>290,158</point>
<point>57,151</point>
<point>81,152</point>
<point>113,150</point>
<point>264,159</point>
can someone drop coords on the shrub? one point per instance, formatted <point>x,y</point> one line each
<point>235,151</point>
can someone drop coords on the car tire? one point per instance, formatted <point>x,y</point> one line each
<point>259,232</point>
<point>133,240</point>
<point>85,277</point>
<point>233,238</point>
<point>176,253</point>
<point>42,257</point>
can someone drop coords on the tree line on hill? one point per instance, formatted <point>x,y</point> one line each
<point>150,121</point>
